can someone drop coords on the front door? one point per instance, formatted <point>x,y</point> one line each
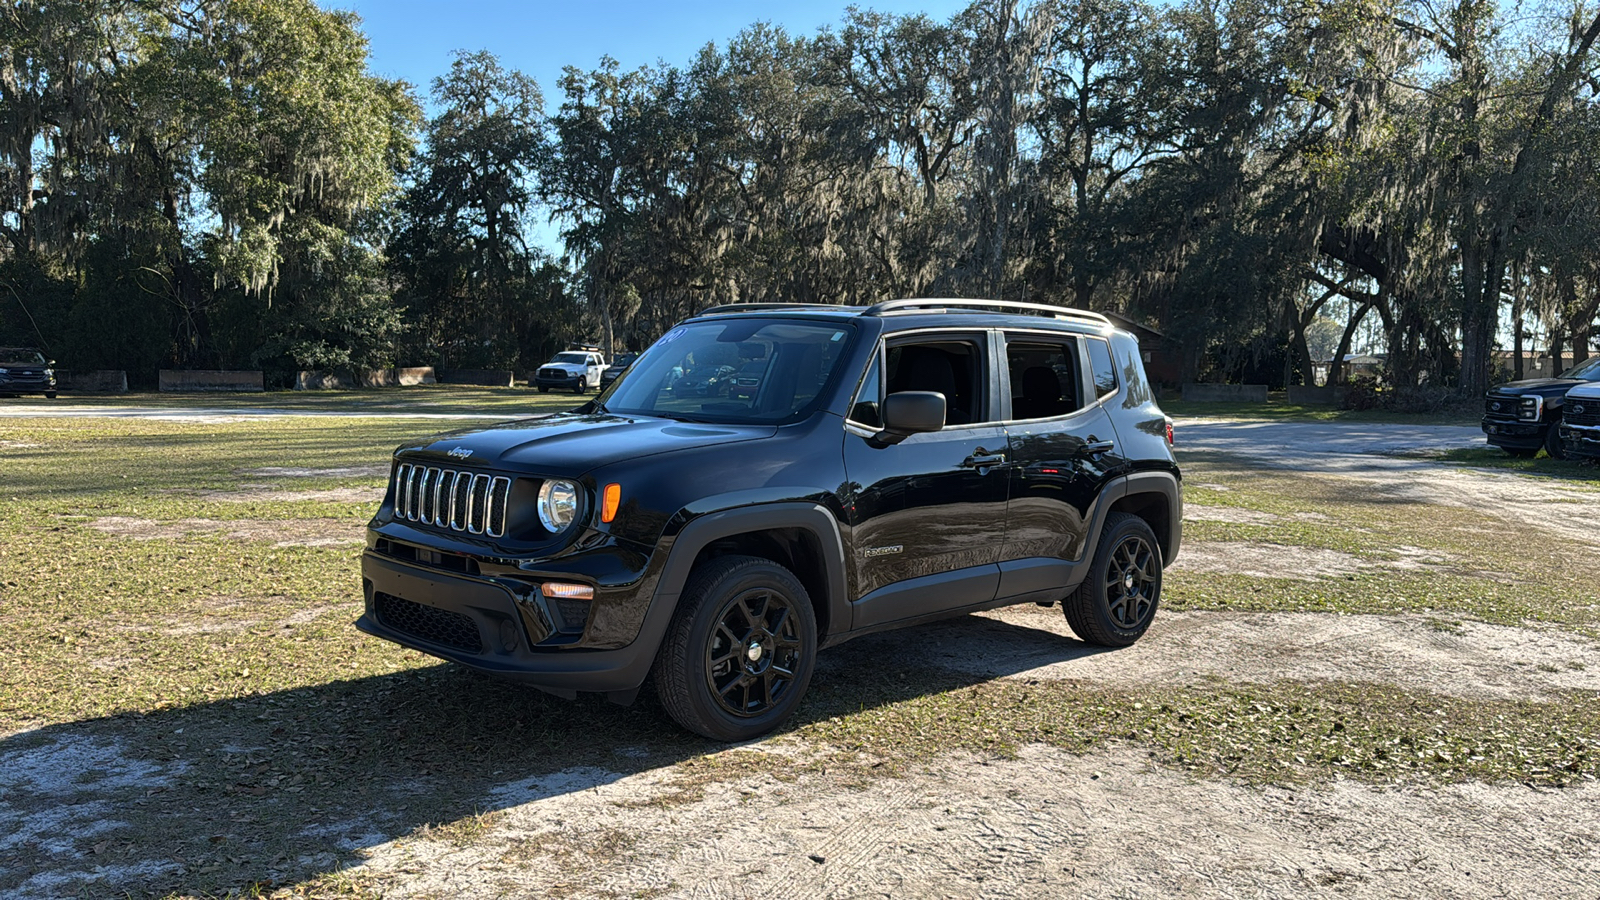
<point>928,516</point>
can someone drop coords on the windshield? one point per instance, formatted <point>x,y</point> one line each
<point>1589,371</point>
<point>579,358</point>
<point>14,357</point>
<point>688,374</point>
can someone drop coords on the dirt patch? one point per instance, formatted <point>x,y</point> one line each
<point>270,493</point>
<point>1267,560</point>
<point>66,781</point>
<point>1195,512</point>
<point>372,471</point>
<point>1045,824</point>
<point>1464,659</point>
<point>19,445</point>
<point>281,532</point>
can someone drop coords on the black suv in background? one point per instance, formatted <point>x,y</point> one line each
<point>1521,417</point>
<point>24,370</point>
<point>895,464</point>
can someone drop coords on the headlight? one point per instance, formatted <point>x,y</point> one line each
<point>558,504</point>
<point>1530,408</point>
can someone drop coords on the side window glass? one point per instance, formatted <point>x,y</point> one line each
<point>1044,378</point>
<point>1105,374</point>
<point>865,411</point>
<point>953,368</point>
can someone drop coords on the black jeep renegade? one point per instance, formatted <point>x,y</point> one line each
<point>895,464</point>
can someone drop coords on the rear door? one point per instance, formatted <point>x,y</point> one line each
<point>928,515</point>
<point>1063,449</point>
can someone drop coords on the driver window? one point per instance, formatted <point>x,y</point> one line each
<point>949,367</point>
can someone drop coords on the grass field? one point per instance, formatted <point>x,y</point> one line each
<point>185,707</point>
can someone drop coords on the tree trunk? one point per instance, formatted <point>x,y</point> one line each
<point>1336,369</point>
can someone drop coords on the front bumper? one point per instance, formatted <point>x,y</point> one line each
<point>1514,434</point>
<point>568,380</point>
<point>1581,441</point>
<point>497,625</point>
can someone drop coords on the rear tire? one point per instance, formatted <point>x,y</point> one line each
<point>1116,602</point>
<point>739,654</point>
<point>49,395</point>
<point>543,389</point>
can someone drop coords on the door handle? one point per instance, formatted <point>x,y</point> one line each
<point>1095,445</point>
<point>982,460</point>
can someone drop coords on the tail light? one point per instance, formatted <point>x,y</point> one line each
<point>1169,433</point>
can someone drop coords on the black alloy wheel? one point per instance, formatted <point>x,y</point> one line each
<point>1117,601</point>
<point>753,652</point>
<point>739,654</point>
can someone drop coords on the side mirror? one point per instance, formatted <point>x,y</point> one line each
<point>910,412</point>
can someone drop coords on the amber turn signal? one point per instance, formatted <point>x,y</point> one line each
<point>558,591</point>
<point>609,501</point>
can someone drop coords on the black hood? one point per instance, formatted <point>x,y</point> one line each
<point>570,444</point>
<point>1543,387</point>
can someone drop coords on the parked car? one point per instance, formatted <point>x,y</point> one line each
<point>24,370</point>
<point>1580,422</point>
<point>571,370</point>
<point>1522,417</point>
<point>747,380</point>
<point>617,367</point>
<point>705,381</point>
<point>910,461</point>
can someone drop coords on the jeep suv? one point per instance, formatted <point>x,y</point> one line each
<point>1521,417</point>
<point>896,464</point>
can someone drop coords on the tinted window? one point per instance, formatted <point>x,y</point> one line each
<point>1044,378</point>
<point>685,374</point>
<point>951,368</point>
<point>1105,374</point>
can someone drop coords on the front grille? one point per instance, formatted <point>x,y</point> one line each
<point>438,626</point>
<point>1500,407</point>
<point>1581,412</point>
<point>554,373</point>
<point>449,498</point>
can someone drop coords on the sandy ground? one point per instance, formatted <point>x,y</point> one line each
<point>1046,824</point>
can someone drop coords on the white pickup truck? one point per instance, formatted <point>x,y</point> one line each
<point>571,370</point>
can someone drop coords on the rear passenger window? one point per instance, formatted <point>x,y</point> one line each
<point>1044,378</point>
<point>1105,374</point>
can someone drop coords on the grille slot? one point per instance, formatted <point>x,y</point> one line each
<point>1589,416</point>
<point>458,500</point>
<point>438,626</point>
<point>1507,407</point>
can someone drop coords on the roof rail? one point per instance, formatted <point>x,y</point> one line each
<point>766,307</point>
<point>1060,312</point>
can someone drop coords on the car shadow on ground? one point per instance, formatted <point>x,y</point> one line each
<point>272,790</point>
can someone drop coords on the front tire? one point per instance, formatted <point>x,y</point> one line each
<point>1552,443</point>
<point>49,395</point>
<point>739,654</point>
<point>1116,602</point>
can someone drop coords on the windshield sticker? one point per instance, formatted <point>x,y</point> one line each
<point>672,335</point>
<point>837,335</point>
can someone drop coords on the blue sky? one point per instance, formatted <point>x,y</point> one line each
<point>414,40</point>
